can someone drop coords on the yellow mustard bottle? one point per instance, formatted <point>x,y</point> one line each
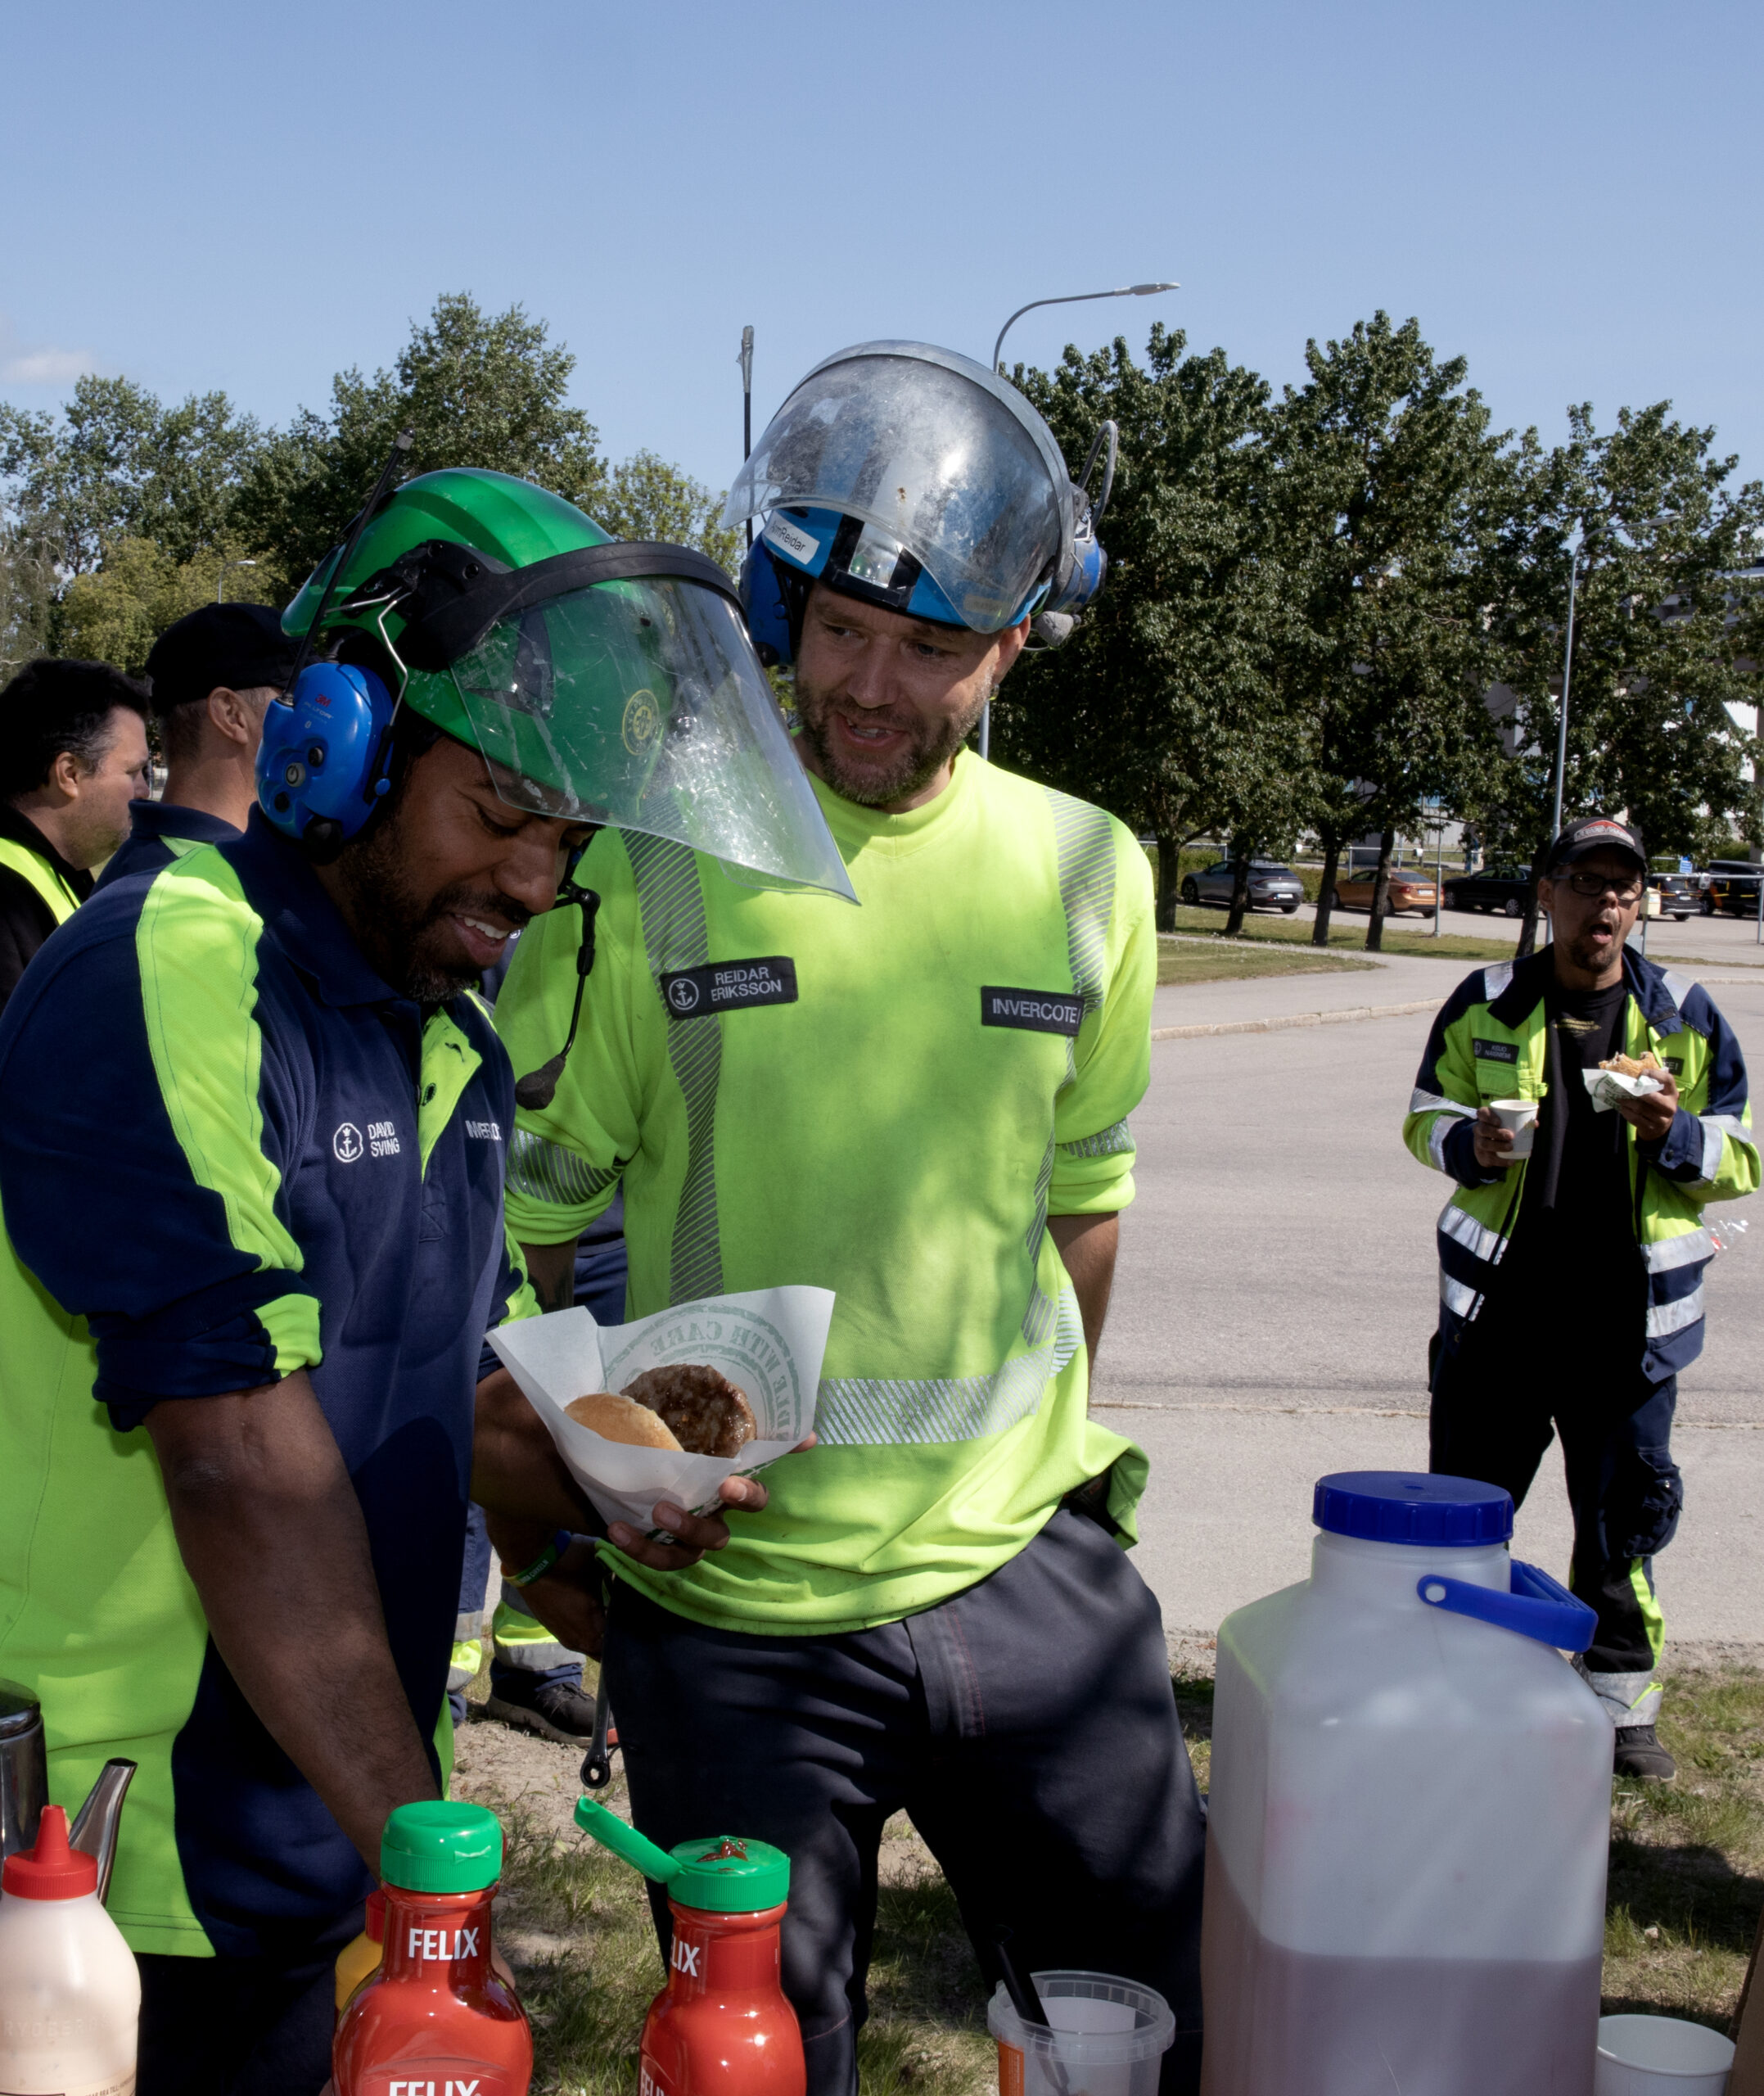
<point>363,1955</point>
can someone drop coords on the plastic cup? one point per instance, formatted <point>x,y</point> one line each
<point>1107,2038</point>
<point>1520,1115</point>
<point>1659,2056</point>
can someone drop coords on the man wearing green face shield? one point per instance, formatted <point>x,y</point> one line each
<point>252,1185</point>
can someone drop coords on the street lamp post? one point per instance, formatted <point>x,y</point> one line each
<point>1568,669</point>
<point>1076,298</point>
<point>1071,298</point>
<point>220,579</point>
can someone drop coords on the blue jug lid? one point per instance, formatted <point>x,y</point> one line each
<point>1412,1506</point>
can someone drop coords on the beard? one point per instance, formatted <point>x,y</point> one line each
<point>931,745</point>
<point>401,931</point>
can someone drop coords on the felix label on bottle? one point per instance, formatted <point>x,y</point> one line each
<point>445,1945</point>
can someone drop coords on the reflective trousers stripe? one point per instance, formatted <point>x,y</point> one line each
<point>1664,1317</point>
<point>522,1641</point>
<point>1684,1250</point>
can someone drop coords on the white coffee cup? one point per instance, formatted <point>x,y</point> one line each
<point>1658,2056</point>
<point>1520,1115</point>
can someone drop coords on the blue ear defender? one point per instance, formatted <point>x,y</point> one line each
<point>325,760</point>
<point>762,596</point>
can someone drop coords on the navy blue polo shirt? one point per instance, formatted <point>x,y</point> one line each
<point>230,1151</point>
<point>161,831</point>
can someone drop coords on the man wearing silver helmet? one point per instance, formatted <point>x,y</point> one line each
<point>921,1104</point>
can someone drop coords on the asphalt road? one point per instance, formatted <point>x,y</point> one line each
<point>1277,1286</point>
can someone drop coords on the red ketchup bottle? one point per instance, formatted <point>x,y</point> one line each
<point>435,2019</point>
<point>721,2026</point>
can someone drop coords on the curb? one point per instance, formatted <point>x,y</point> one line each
<point>1296,1019</point>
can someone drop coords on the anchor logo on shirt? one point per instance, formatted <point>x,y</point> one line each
<point>347,1143</point>
<point>683,993</point>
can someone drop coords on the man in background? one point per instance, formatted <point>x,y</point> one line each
<point>1571,1278</point>
<point>212,675</point>
<point>73,755</point>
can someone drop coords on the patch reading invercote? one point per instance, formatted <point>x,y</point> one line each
<point>1036,1011</point>
<point>730,986</point>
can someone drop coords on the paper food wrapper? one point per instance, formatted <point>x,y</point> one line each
<point>768,1342</point>
<point>1608,1086</point>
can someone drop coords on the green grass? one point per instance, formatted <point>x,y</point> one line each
<point>1188,959</point>
<point>1686,1885</point>
<point>1348,933</point>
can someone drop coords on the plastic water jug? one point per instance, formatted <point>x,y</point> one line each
<point>1409,1814</point>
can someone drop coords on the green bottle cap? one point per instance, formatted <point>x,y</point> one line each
<point>437,1847</point>
<point>726,1875</point>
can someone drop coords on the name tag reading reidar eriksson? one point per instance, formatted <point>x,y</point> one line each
<point>730,986</point>
<point>1036,1011</point>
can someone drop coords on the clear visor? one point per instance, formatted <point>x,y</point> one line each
<point>931,458</point>
<point>640,705</point>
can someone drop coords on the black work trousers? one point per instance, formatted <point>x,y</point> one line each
<point>242,2027</point>
<point>1026,1726</point>
<point>1497,1405</point>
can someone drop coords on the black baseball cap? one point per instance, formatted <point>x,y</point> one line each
<point>1596,833</point>
<point>235,645</point>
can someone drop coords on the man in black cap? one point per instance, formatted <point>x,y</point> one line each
<point>213,673</point>
<point>73,753</point>
<point>1572,1253</point>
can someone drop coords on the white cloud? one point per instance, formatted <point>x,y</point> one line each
<point>47,366</point>
<point>40,363</point>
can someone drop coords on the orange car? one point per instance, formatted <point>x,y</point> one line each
<point>1413,891</point>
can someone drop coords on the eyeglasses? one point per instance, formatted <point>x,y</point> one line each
<point>1592,885</point>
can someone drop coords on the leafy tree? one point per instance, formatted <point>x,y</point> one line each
<point>114,613</point>
<point>117,463</point>
<point>27,598</point>
<point>1383,490</point>
<point>477,389</point>
<point>646,497</point>
<point>1667,629</point>
<point>1163,706</point>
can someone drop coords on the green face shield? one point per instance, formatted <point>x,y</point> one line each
<point>640,704</point>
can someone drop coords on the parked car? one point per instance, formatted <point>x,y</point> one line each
<point>1406,891</point>
<point>1271,885</point>
<point>1732,888</point>
<point>1507,889</point>
<point>1678,899</point>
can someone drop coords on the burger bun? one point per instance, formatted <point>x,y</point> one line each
<point>615,1418</point>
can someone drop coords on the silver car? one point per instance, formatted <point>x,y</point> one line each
<point>1271,886</point>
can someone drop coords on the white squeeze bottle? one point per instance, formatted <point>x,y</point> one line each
<point>70,1990</point>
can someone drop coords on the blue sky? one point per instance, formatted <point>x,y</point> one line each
<point>203,196</point>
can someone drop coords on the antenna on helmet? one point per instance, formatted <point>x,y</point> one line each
<point>401,444</point>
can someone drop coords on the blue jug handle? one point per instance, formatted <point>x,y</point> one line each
<point>1537,1606</point>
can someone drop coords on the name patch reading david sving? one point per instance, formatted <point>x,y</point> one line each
<point>1036,1011</point>
<point>730,986</point>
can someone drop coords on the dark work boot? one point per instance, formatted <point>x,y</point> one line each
<point>555,1709</point>
<point>1639,1753</point>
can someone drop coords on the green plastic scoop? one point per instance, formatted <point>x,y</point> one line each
<point>721,1874</point>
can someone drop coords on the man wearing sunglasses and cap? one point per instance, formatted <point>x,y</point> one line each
<point>1572,1253</point>
<point>921,1104</point>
